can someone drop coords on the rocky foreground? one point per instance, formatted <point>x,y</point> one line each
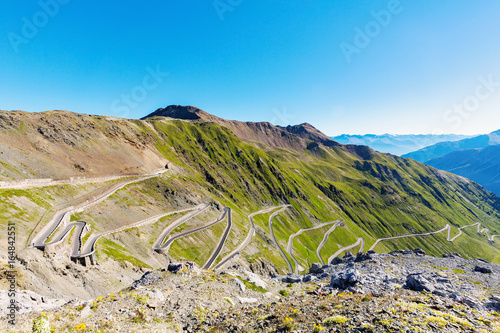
<point>405,291</point>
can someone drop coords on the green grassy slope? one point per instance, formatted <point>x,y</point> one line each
<point>377,195</point>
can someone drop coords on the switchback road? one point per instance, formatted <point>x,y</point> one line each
<point>248,239</point>
<point>292,236</point>
<point>63,216</point>
<point>290,268</point>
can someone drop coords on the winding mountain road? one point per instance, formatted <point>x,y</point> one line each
<point>447,227</point>
<point>158,245</point>
<point>292,236</point>
<point>89,248</point>
<point>338,223</point>
<point>480,230</point>
<point>171,239</point>
<point>290,268</point>
<point>360,240</point>
<point>248,239</point>
<point>62,217</point>
<point>44,182</point>
<point>221,243</point>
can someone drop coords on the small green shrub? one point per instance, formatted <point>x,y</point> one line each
<point>41,325</point>
<point>335,320</point>
<point>283,292</point>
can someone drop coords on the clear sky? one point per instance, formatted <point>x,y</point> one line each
<point>344,66</point>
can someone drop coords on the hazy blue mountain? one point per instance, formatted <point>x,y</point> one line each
<point>442,148</point>
<point>396,144</point>
<point>480,165</point>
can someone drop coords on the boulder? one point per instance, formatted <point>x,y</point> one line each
<point>348,256</point>
<point>254,278</point>
<point>244,300</point>
<point>180,267</point>
<point>419,252</point>
<point>336,261</point>
<point>291,278</point>
<point>86,312</point>
<point>316,268</point>
<point>240,284</point>
<point>430,282</point>
<point>370,255</point>
<point>483,270</point>
<point>156,299</point>
<point>346,278</point>
<point>419,282</point>
<point>263,267</point>
<point>174,268</point>
<point>452,255</point>
<point>482,260</point>
<point>309,278</point>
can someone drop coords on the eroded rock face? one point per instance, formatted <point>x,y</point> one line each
<point>263,267</point>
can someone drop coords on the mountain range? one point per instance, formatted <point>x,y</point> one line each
<point>442,148</point>
<point>476,158</point>
<point>396,144</point>
<point>261,195</point>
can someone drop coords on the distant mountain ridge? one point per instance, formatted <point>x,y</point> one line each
<point>477,158</point>
<point>480,165</point>
<point>397,144</point>
<point>442,148</point>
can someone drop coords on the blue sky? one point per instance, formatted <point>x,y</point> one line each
<point>344,66</point>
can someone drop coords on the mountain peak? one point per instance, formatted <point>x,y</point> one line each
<point>309,132</point>
<point>181,112</point>
<point>263,132</point>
